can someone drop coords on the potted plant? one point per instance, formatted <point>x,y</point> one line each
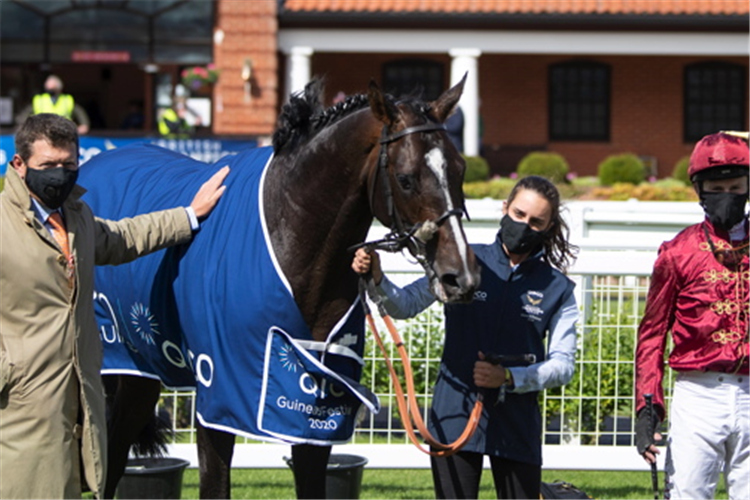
<point>196,78</point>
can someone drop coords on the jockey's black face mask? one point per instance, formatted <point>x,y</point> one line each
<point>724,210</point>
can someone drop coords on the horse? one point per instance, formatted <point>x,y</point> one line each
<point>329,172</point>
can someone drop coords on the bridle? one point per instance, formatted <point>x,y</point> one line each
<point>415,238</point>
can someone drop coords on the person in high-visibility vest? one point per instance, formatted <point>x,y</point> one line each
<point>173,122</point>
<point>54,101</point>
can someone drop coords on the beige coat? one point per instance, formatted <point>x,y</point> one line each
<point>50,351</point>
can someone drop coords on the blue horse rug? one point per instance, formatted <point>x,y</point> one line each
<point>217,313</point>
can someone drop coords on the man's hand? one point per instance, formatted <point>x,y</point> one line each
<point>208,195</point>
<point>365,262</point>
<point>488,375</point>
<point>644,440</point>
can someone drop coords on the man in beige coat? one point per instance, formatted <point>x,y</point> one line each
<point>52,411</point>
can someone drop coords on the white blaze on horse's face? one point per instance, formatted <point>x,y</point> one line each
<point>436,161</point>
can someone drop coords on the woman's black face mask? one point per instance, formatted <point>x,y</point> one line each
<point>518,237</point>
<point>724,210</point>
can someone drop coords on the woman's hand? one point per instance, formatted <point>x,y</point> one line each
<point>488,375</point>
<point>365,262</point>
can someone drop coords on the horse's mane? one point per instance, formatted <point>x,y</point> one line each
<point>304,115</point>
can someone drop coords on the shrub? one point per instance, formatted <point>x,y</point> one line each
<point>585,181</point>
<point>659,191</point>
<point>550,165</point>
<point>423,338</point>
<point>680,171</point>
<point>477,169</point>
<point>497,188</point>
<point>625,167</point>
<point>603,382</point>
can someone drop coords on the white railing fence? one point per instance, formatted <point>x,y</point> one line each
<point>588,423</point>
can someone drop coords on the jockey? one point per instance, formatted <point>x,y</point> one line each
<point>699,293</point>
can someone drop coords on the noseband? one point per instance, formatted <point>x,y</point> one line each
<point>414,238</point>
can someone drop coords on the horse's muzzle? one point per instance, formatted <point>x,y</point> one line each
<point>457,286</point>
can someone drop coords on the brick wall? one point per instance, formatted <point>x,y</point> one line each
<point>249,31</point>
<point>646,108</point>
<point>646,111</point>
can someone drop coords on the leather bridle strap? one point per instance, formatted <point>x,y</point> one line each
<point>382,169</point>
<point>410,413</point>
<point>427,127</point>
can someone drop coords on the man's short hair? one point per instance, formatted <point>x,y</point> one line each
<point>55,129</point>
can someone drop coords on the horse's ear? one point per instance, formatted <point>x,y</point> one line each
<point>382,107</point>
<point>445,104</point>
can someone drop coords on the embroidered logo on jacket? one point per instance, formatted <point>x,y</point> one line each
<point>531,300</point>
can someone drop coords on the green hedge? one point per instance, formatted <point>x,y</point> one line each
<point>625,167</point>
<point>477,169</point>
<point>602,384</point>
<point>498,188</point>
<point>550,165</point>
<point>680,171</point>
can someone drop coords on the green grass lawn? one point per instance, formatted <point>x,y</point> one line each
<point>417,483</point>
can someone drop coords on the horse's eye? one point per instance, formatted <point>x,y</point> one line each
<point>405,181</point>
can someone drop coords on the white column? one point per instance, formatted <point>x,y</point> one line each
<point>297,70</point>
<point>465,62</point>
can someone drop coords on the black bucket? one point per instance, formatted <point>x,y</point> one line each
<point>343,475</point>
<point>152,478</point>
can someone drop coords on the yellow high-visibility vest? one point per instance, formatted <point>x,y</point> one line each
<point>64,105</point>
<point>170,115</point>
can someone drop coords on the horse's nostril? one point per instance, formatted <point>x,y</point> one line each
<point>450,281</point>
<point>459,287</point>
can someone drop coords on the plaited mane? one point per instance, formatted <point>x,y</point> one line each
<point>304,116</point>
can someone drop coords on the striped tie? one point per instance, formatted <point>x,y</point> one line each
<point>61,237</point>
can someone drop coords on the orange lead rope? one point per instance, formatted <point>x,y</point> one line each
<point>410,413</point>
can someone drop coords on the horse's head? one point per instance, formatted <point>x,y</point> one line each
<point>416,189</point>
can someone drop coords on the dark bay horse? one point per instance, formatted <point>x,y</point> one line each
<point>331,172</point>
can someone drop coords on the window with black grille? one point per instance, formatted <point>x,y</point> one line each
<point>579,101</point>
<point>409,76</point>
<point>715,99</point>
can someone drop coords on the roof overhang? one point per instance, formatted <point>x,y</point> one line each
<point>517,42</point>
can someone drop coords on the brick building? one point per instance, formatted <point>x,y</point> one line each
<point>584,78</point>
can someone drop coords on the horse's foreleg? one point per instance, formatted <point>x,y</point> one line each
<point>215,449</point>
<point>132,407</point>
<point>310,465</point>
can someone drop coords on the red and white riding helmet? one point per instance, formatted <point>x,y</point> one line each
<point>720,156</point>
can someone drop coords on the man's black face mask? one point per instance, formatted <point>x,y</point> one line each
<point>724,210</point>
<point>52,186</point>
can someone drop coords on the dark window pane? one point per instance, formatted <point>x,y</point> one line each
<point>47,6</point>
<point>18,23</point>
<point>714,99</point>
<point>413,75</point>
<point>579,101</point>
<point>102,26</point>
<point>182,30</point>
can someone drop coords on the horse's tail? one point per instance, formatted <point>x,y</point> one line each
<point>153,439</point>
<point>131,421</point>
